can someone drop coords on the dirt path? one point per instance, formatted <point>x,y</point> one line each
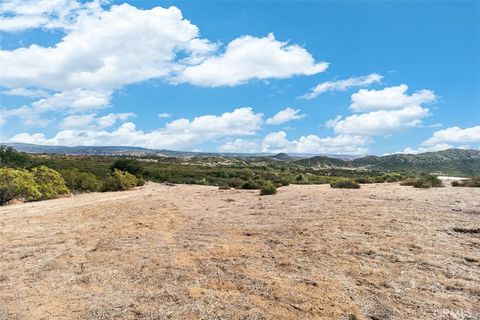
<point>195,252</point>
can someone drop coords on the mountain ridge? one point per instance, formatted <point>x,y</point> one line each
<point>450,161</point>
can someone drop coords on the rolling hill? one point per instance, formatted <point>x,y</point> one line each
<point>451,161</point>
<point>448,162</point>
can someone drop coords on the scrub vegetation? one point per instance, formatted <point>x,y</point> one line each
<point>29,177</point>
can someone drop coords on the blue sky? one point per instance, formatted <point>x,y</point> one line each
<point>291,76</point>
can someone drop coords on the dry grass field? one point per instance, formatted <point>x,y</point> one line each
<point>197,252</point>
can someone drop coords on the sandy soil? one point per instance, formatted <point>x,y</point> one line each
<point>196,252</point>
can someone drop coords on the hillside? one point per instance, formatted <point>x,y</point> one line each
<point>451,161</point>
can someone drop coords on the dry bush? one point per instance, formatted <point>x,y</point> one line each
<point>345,184</point>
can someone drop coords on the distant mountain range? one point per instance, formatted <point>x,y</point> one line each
<point>451,161</point>
<point>138,151</point>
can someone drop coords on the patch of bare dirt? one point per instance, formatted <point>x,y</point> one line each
<point>196,252</point>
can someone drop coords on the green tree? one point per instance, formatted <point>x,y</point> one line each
<point>9,157</point>
<point>50,183</point>
<point>17,184</point>
<point>120,181</point>
<point>79,181</point>
<point>129,165</point>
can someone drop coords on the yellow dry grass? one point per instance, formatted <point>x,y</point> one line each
<point>196,252</point>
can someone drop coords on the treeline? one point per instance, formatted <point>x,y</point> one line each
<point>35,177</point>
<point>22,178</point>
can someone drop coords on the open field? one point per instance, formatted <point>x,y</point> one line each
<point>197,252</point>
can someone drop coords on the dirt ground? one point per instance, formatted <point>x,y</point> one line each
<point>197,252</point>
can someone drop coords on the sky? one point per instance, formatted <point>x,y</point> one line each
<point>333,77</point>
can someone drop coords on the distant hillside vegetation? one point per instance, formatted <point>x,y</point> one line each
<point>451,161</point>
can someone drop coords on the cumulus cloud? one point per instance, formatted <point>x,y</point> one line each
<point>19,15</point>
<point>383,112</point>
<point>342,144</point>
<point>382,122</point>
<point>107,48</point>
<point>28,116</point>
<point>24,92</point>
<point>285,115</point>
<point>123,45</point>
<point>342,85</point>
<point>74,100</point>
<point>113,48</point>
<point>177,134</point>
<point>92,121</point>
<point>390,98</point>
<point>240,146</point>
<point>248,58</point>
<point>454,135</point>
<point>437,147</point>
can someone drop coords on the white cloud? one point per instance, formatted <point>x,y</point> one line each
<point>343,144</point>
<point>28,116</point>
<point>73,100</point>
<point>91,121</point>
<point>382,122</point>
<point>285,115</point>
<point>240,146</point>
<point>112,118</point>
<point>24,92</point>
<point>248,58</point>
<point>70,101</point>
<point>383,112</point>
<point>164,115</point>
<point>107,50</point>
<point>437,147</point>
<point>177,134</point>
<point>18,15</point>
<point>390,98</point>
<point>342,85</point>
<point>124,45</point>
<point>36,138</point>
<point>454,135</point>
<point>77,121</point>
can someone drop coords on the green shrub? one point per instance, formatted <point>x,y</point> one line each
<point>427,181</point>
<point>49,182</point>
<point>473,182</point>
<point>379,179</point>
<point>364,180</point>
<point>9,157</point>
<point>128,165</point>
<point>345,184</point>
<point>434,181</point>
<point>408,182</point>
<point>78,181</point>
<point>301,178</point>
<point>424,181</point>
<point>251,185</point>
<point>267,189</point>
<point>140,182</point>
<point>392,177</point>
<point>17,184</point>
<point>120,181</point>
